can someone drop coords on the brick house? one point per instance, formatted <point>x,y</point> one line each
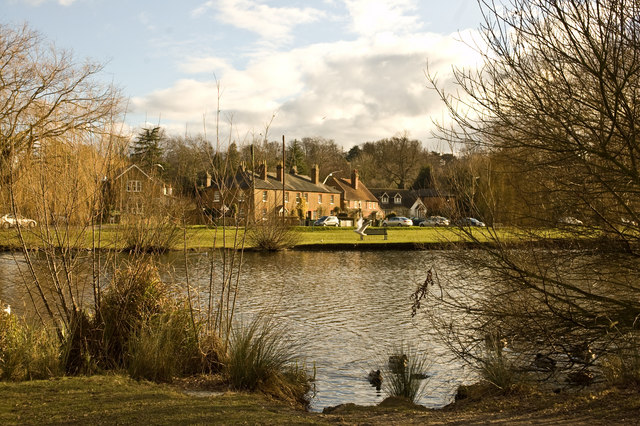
<point>356,199</point>
<point>259,195</point>
<point>133,192</point>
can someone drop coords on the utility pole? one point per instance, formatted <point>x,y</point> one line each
<point>284,173</point>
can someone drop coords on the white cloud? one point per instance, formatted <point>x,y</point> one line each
<point>39,2</point>
<point>273,24</point>
<point>352,92</point>
<point>371,17</point>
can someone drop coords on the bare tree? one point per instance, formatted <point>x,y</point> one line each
<point>556,102</point>
<point>44,94</point>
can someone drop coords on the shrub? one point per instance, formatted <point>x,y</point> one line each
<point>271,235</point>
<point>151,235</point>
<point>405,374</point>
<point>135,295</point>
<point>164,347</point>
<point>260,357</point>
<point>27,352</point>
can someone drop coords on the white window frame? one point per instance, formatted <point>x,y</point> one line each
<point>216,196</point>
<point>319,198</point>
<point>397,199</point>
<point>385,199</point>
<point>134,186</point>
<point>265,196</point>
<point>331,199</point>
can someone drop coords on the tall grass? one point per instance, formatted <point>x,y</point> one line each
<point>27,352</point>
<point>260,357</point>
<point>405,373</point>
<point>135,295</point>
<point>164,347</point>
<point>621,367</point>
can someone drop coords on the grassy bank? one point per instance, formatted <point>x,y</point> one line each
<point>120,400</point>
<point>202,237</point>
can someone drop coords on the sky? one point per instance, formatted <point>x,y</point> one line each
<point>348,70</point>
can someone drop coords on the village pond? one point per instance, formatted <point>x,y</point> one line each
<point>348,311</point>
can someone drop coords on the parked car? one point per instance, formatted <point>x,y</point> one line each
<point>397,221</point>
<point>435,221</point>
<point>327,221</point>
<point>417,220</point>
<point>568,220</point>
<point>470,221</point>
<point>9,221</point>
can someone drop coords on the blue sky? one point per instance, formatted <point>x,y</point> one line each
<point>348,70</point>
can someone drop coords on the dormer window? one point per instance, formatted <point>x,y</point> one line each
<point>384,199</point>
<point>397,199</point>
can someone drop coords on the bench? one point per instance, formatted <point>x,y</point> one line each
<point>382,231</point>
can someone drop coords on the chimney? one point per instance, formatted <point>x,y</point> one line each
<point>262,170</point>
<point>294,170</point>
<point>208,180</point>
<point>279,172</point>
<point>354,179</point>
<point>315,174</point>
<point>242,167</point>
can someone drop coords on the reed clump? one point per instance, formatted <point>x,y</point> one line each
<point>27,352</point>
<point>405,373</point>
<point>261,358</point>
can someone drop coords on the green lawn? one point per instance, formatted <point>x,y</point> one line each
<point>202,237</point>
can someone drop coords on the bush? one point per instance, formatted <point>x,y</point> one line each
<point>271,235</point>
<point>405,374</point>
<point>27,352</point>
<point>164,347</point>
<point>134,296</point>
<point>149,235</point>
<point>260,357</point>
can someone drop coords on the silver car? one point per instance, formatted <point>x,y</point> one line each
<point>397,221</point>
<point>9,221</point>
<point>435,221</point>
<point>327,221</point>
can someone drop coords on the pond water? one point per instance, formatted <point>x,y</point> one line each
<point>347,309</point>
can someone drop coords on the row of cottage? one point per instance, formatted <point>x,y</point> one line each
<point>260,194</point>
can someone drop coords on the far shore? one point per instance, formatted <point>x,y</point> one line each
<point>203,238</point>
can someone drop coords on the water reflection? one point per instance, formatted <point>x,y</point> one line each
<point>348,309</point>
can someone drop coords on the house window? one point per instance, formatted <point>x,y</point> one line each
<point>264,212</point>
<point>216,196</point>
<point>397,199</point>
<point>306,197</point>
<point>298,197</point>
<point>286,197</point>
<point>319,198</point>
<point>241,196</point>
<point>385,199</point>
<point>264,196</point>
<point>134,186</point>
<point>331,199</point>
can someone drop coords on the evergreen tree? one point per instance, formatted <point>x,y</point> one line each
<point>146,150</point>
<point>296,157</point>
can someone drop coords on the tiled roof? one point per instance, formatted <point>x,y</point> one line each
<point>408,197</point>
<point>292,183</point>
<point>344,186</point>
